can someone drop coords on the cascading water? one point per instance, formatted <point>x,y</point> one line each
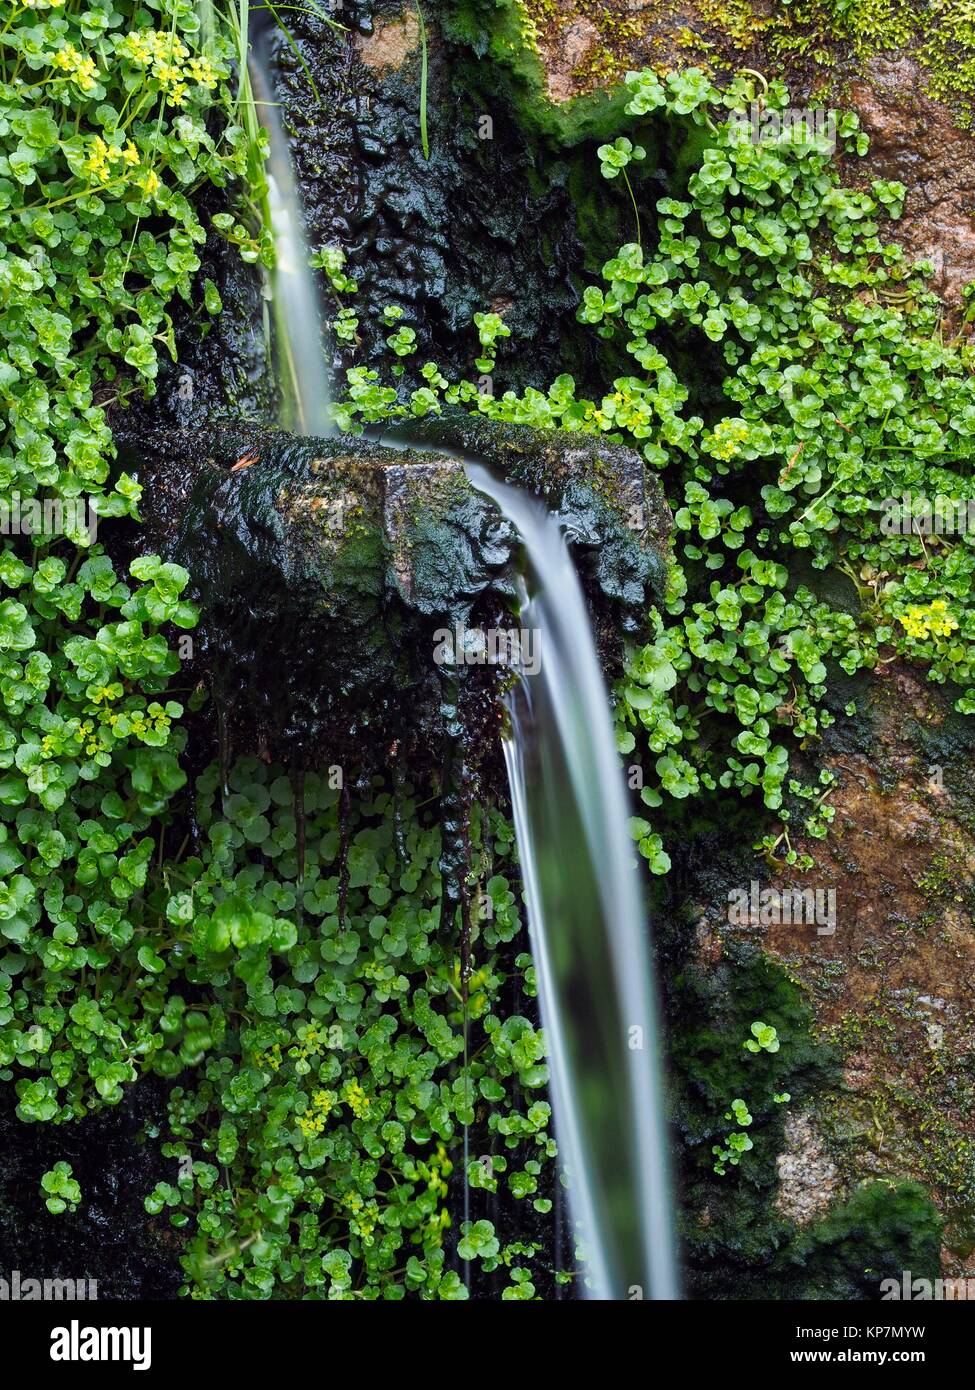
<point>297,310</point>
<point>587,927</point>
<point>585,918</point>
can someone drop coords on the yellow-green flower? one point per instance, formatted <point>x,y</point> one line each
<point>356,1099</point>
<point>727,438</point>
<point>77,67</point>
<point>932,620</point>
<point>200,69</point>
<point>312,1122</point>
<point>99,693</point>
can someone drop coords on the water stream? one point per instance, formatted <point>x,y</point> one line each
<point>298,321</point>
<point>582,890</point>
<point>587,926</point>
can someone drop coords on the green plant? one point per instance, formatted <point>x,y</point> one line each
<point>315,1143</point>
<point>312,1011</point>
<point>613,160</point>
<point>403,341</point>
<point>731,1151</point>
<point>108,139</point>
<point>346,325</point>
<point>80,803</point>
<point>62,1191</point>
<point>940,37</point>
<point>840,394</point>
<point>739,1113</point>
<point>735,1145</point>
<point>764,1038</point>
<point>479,1242</point>
<point>490,327</point>
<point>331,259</point>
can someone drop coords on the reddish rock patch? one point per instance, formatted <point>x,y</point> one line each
<point>563,52</point>
<point>914,139</point>
<point>390,43</point>
<point>894,984</point>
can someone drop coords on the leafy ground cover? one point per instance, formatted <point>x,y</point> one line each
<point>842,397</point>
<point>306,1003</point>
<point>104,112</point>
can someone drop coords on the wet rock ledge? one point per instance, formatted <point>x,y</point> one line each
<point>324,567</point>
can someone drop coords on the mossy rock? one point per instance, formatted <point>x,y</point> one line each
<point>324,568</point>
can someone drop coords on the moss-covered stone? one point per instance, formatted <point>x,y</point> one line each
<point>324,569</point>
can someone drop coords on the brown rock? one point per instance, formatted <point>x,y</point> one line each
<point>390,43</point>
<point>913,138</point>
<point>808,1178</point>
<point>562,52</point>
<point>894,985</point>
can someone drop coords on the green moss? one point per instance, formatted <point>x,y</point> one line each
<point>881,1231</point>
<point>829,34</point>
<point>738,1245</point>
<point>503,33</point>
<point>715,1011</point>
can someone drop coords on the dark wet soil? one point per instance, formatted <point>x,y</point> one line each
<point>109,1238</point>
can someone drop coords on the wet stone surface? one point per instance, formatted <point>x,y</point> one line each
<point>486,222</point>
<point>325,570</point>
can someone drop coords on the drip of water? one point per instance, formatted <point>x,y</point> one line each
<point>588,931</point>
<point>297,311</point>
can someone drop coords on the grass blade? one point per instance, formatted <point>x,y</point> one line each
<point>424,134</point>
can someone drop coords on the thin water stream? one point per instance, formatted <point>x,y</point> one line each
<point>297,310</point>
<point>587,925</point>
<point>589,935</point>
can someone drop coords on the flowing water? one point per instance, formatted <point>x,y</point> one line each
<point>582,890</point>
<point>297,311</point>
<point>588,930</point>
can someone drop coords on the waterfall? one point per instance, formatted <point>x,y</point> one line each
<point>588,931</point>
<point>297,311</point>
<point>582,890</point>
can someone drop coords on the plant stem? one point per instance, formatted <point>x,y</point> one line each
<point>424,134</point>
<point>636,210</point>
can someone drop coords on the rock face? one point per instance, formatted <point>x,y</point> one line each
<point>914,139</point>
<point>564,52</point>
<point>894,983</point>
<point>808,1179</point>
<point>390,43</point>
<point>110,1239</point>
<point>326,568</point>
<point>482,219</point>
